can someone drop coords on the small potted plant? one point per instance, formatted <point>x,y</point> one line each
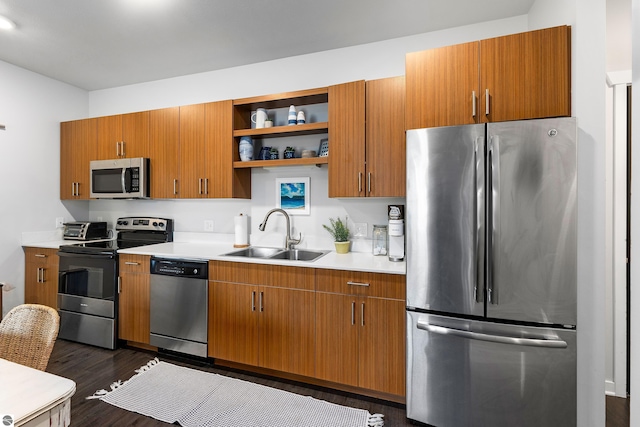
<point>340,232</point>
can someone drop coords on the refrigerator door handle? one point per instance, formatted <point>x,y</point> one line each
<point>531,342</point>
<point>493,215</point>
<point>480,225</point>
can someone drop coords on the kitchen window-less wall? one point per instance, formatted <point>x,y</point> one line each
<point>368,62</point>
<point>31,108</point>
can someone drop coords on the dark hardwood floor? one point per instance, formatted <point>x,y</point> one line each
<point>94,368</point>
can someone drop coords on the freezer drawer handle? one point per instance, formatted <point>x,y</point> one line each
<point>492,338</point>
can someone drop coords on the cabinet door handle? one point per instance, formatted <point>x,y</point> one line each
<point>486,102</point>
<point>131,263</point>
<point>175,185</point>
<point>353,312</point>
<point>362,314</point>
<point>206,186</point>
<point>261,297</point>
<point>359,182</point>
<point>473,103</point>
<point>119,285</point>
<point>40,255</point>
<point>357,284</point>
<point>253,301</point>
<point>199,185</point>
<point>117,149</point>
<point>122,148</point>
<point>369,183</point>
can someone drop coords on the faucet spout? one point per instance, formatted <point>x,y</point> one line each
<point>289,241</point>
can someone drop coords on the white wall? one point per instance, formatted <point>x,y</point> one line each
<point>588,100</point>
<point>31,108</point>
<point>635,218</point>
<point>371,61</point>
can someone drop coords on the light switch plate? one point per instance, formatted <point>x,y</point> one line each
<point>360,229</point>
<point>59,222</point>
<point>208,225</point>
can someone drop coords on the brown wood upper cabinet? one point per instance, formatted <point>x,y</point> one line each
<point>367,139</point>
<point>520,76</point>
<point>123,136</point>
<point>347,139</point>
<point>385,138</point>
<point>206,153</point>
<point>164,139</point>
<point>77,148</point>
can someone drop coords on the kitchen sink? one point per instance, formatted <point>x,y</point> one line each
<point>278,253</point>
<point>298,255</point>
<point>255,252</point>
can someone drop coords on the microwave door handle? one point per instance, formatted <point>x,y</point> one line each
<point>123,181</point>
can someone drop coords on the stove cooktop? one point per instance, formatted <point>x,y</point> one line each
<point>133,232</point>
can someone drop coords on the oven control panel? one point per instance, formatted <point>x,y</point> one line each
<point>144,223</point>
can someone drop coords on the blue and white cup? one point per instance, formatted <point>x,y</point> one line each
<point>292,119</point>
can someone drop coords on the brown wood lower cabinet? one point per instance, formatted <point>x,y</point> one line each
<point>360,330</point>
<point>267,321</point>
<point>133,306</point>
<point>41,276</point>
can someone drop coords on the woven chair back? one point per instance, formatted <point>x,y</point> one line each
<point>27,335</point>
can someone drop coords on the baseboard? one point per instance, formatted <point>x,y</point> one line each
<point>609,388</point>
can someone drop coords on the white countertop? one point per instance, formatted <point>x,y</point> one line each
<point>26,392</point>
<point>354,261</point>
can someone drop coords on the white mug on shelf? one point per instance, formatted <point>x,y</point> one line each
<point>259,117</point>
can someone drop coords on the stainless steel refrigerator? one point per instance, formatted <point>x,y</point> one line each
<point>491,274</point>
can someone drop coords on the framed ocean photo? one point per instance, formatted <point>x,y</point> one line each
<point>292,195</point>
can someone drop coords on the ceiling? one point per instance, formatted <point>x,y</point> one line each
<point>103,44</point>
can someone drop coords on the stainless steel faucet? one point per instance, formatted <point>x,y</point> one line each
<point>289,242</point>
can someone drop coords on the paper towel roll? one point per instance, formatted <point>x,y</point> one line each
<point>241,227</point>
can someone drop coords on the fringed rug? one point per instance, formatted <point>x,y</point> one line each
<point>193,398</point>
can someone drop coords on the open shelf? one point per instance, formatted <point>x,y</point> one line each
<point>280,131</point>
<point>317,161</point>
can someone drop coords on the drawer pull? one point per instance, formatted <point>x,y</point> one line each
<point>131,263</point>
<point>357,284</point>
<point>40,255</point>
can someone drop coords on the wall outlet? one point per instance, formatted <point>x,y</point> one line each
<point>59,222</point>
<point>208,225</point>
<point>360,229</point>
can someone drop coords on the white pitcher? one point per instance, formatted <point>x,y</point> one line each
<point>259,117</point>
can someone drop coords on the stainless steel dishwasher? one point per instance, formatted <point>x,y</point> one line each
<point>179,305</point>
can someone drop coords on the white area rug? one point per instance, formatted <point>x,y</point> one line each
<point>193,398</point>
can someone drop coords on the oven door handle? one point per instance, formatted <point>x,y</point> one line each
<point>92,256</point>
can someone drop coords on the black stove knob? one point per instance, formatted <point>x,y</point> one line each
<point>161,224</point>
<point>155,224</point>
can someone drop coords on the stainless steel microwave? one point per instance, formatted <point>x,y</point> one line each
<point>120,178</point>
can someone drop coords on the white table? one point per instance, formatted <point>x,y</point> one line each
<point>34,398</point>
